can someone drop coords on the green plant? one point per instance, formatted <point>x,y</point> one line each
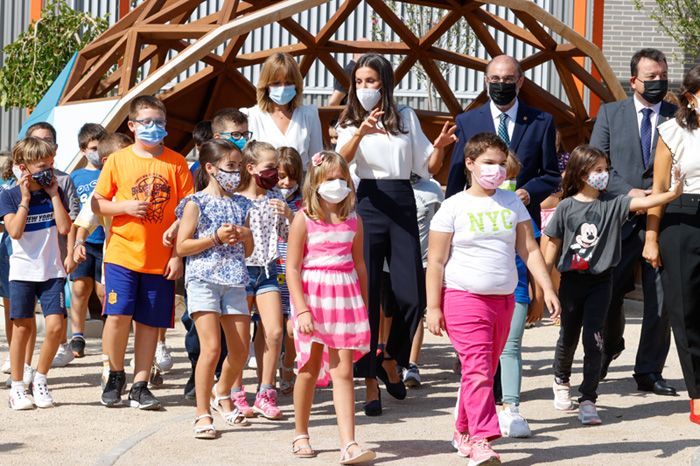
<point>680,20</point>
<point>38,55</point>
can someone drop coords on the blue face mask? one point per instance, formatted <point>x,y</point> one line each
<point>240,142</point>
<point>150,135</point>
<point>282,95</point>
<point>44,177</point>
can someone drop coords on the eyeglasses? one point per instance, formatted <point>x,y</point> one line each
<point>150,121</point>
<point>501,79</point>
<point>237,135</point>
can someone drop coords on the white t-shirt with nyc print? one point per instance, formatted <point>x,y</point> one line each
<point>482,254</point>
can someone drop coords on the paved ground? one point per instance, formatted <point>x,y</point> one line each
<point>638,429</point>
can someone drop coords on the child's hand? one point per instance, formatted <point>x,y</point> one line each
<point>174,269</point>
<point>305,322</point>
<point>227,233</point>
<point>135,208</point>
<point>242,233</point>
<point>52,189</point>
<point>534,314</point>
<point>24,188</point>
<point>446,136</point>
<point>435,321</point>
<point>680,181</point>
<point>170,234</point>
<point>69,264</point>
<point>281,208</point>
<point>552,302</point>
<point>79,254</point>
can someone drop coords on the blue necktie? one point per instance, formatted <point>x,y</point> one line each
<point>503,129</point>
<point>645,135</point>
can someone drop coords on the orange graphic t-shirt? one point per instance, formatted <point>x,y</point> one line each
<point>137,243</point>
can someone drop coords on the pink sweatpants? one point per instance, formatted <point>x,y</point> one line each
<point>478,327</point>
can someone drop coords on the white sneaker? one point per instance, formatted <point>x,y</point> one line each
<point>164,361</point>
<point>64,356</point>
<point>28,375</point>
<point>512,424</point>
<point>42,395</point>
<point>562,396</point>
<point>252,362</point>
<point>19,401</point>
<point>588,414</point>
<point>6,366</point>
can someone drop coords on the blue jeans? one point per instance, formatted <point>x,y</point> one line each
<point>511,357</point>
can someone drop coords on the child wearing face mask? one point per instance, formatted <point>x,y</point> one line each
<point>328,285</point>
<point>268,222</point>
<point>291,174</point>
<point>586,230</point>
<point>470,281</point>
<point>213,236</point>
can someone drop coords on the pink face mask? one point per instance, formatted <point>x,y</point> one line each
<point>490,176</point>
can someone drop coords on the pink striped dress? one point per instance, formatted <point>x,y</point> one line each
<point>332,293</point>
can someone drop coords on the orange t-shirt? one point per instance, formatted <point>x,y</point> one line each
<point>137,243</point>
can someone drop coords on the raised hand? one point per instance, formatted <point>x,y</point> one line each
<point>446,136</point>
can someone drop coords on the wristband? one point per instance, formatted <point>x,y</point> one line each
<point>78,242</point>
<point>217,239</point>
<point>22,205</point>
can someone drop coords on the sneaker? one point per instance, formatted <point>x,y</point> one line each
<point>28,375</point>
<point>19,401</point>
<point>141,397</point>
<point>42,395</point>
<point>266,404</point>
<point>252,362</point>
<point>8,382</point>
<point>241,403</point>
<point>155,380</point>
<point>461,443</point>
<point>77,346</point>
<point>587,414</point>
<point>6,366</point>
<point>512,424</point>
<point>411,376</point>
<point>562,396</point>
<point>164,361</point>
<point>112,392</point>
<point>190,393</point>
<point>63,356</point>
<point>482,454</point>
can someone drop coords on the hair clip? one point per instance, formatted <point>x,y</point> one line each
<point>317,159</point>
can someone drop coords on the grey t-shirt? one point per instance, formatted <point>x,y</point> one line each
<point>590,232</point>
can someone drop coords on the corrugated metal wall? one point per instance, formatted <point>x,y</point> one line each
<point>319,83</point>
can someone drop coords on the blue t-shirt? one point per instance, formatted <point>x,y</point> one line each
<point>85,181</point>
<point>522,292</point>
<point>194,167</point>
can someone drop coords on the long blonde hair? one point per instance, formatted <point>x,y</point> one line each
<point>317,174</point>
<point>252,152</point>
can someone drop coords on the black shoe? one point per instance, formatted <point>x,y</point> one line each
<point>605,364</point>
<point>190,393</point>
<point>112,393</point>
<point>141,397</point>
<point>77,346</point>
<point>374,407</point>
<point>654,383</point>
<point>396,389</point>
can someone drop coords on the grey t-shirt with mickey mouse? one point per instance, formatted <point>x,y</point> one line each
<point>590,232</point>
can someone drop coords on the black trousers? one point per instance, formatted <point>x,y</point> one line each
<point>655,337</point>
<point>584,302</point>
<point>679,243</point>
<point>388,212</point>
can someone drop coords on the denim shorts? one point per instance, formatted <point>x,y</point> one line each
<point>260,283</point>
<point>208,297</point>
<point>5,251</point>
<point>23,296</point>
<point>91,267</point>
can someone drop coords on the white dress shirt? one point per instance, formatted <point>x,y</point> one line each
<point>512,113</point>
<point>384,156</point>
<point>638,106</point>
<point>303,132</point>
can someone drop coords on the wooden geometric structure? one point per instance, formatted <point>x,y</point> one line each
<point>132,58</point>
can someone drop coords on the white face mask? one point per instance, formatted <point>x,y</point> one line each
<point>17,172</point>
<point>368,98</point>
<point>334,191</point>
<point>286,192</point>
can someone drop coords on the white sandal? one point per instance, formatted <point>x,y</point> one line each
<point>304,451</point>
<point>362,456</point>
<point>232,418</point>
<point>207,431</point>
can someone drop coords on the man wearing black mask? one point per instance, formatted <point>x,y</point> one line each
<point>529,132</point>
<point>626,131</point>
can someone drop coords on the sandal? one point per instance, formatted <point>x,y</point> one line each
<point>302,452</point>
<point>207,431</point>
<point>361,456</point>
<point>232,418</point>
<point>286,386</point>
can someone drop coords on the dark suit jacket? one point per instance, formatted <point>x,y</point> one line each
<point>533,140</point>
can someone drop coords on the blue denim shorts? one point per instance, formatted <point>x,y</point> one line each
<point>91,267</point>
<point>259,282</point>
<point>208,297</point>
<point>23,296</point>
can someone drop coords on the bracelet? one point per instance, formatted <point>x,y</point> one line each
<point>213,240</point>
<point>303,312</point>
<point>216,237</point>
<point>78,242</point>
<point>22,205</point>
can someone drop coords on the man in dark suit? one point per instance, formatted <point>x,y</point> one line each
<point>529,132</point>
<point>626,131</point>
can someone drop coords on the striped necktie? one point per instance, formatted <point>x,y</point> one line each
<point>503,129</point>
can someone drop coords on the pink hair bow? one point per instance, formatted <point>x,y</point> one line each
<point>317,159</point>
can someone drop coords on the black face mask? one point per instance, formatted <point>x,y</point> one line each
<point>655,91</point>
<point>502,93</point>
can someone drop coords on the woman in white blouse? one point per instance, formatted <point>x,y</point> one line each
<point>673,234</point>
<point>386,144</point>
<point>279,118</point>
